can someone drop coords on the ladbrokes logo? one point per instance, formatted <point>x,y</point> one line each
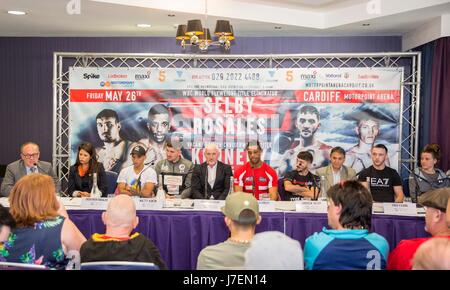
<point>308,76</point>
<point>91,76</point>
<point>142,76</point>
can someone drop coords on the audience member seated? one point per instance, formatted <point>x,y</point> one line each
<point>427,177</point>
<point>433,255</point>
<point>81,174</point>
<point>7,223</point>
<point>301,183</point>
<point>241,212</point>
<point>385,183</point>
<point>118,244</point>
<point>336,171</point>
<point>255,176</point>
<point>44,234</point>
<point>348,245</point>
<point>29,163</point>
<point>212,178</point>
<point>175,166</point>
<point>274,251</point>
<point>435,203</point>
<point>137,180</point>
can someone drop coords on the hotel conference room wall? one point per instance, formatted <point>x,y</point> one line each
<point>26,71</point>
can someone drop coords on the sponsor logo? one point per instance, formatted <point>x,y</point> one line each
<point>271,73</point>
<point>308,76</point>
<point>369,77</point>
<point>249,178</point>
<point>142,76</point>
<point>117,76</point>
<point>346,75</point>
<point>179,73</point>
<point>201,77</point>
<point>333,76</point>
<point>105,84</point>
<point>262,179</point>
<point>182,167</point>
<point>87,76</point>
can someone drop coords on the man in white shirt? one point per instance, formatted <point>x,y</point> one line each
<point>137,180</point>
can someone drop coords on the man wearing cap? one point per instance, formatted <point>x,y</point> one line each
<point>137,180</point>
<point>255,176</point>
<point>175,172</point>
<point>435,203</point>
<point>241,212</point>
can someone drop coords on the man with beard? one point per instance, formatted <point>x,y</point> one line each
<point>113,153</point>
<point>307,122</point>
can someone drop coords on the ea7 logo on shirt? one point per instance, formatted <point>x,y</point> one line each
<point>380,182</point>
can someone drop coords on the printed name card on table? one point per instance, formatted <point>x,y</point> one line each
<point>311,206</point>
<point>400,208</point>
<point>266,205</point>
<point>206,204</point>
<point>148,204</point>
<point>94,202</point>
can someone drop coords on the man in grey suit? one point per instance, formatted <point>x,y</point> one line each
<point>29,163</point>
<point>336,171</point>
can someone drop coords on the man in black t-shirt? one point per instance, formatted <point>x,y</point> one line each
<point>301,182</point>
<point>385,183</point>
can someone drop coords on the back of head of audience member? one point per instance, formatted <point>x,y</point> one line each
<point>434,254</point>
<point>273,251</point>
<point>241,212</point>
<point>120,217</point>
<point>33,199</point>
<point>7,223</point>
<point>349,206</point>
<point>435,202</point>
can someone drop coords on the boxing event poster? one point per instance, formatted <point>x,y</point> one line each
<point>286,110</point>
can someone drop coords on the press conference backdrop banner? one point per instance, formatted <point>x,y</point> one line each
<point>287,110</point>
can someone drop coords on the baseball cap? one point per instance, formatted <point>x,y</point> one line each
<point>436,198</point>
<point>236,202</point>
<point>138,150</point>
<point>273,251</point>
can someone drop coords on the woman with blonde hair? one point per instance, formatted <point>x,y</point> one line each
<point>44,235</point>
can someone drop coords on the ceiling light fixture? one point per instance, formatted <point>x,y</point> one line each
<point>15,12</point>
<point>194,34</point>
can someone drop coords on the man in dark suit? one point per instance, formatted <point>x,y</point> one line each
<point>29,163</point>
<point>212,178</point>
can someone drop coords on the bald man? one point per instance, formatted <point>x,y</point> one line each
<point>212,178</point>
<point>118,244</point>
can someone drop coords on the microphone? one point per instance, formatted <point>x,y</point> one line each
<point>253,179</point>
<point>315,188</point>
<point>37,167</point>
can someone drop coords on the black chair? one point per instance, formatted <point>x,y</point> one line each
<point>281,190</point>
<point>111,181</point>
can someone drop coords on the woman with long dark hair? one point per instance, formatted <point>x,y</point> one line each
<point>81,175</point>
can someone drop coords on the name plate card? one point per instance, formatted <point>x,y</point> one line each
<point>178,203</point>
<point>400,208</point>
<point>311,206</point>
<point>206,204</point>
<point>149,204</point>
<point>94,202</point>
<point>266,205</point>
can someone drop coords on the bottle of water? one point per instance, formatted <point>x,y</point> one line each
<point>95,192</point>
<point>160,194</point>
<point>368,184</point>
<point>323,193</point>
<point>230,191</point>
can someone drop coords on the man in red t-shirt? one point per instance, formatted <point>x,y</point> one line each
<point>435,203</point>
<point>255,176</point>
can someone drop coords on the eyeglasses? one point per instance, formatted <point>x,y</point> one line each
<point>29,156</point>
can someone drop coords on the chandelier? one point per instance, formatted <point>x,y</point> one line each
<point>194,34</point>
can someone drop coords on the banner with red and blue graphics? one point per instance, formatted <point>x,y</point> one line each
<point>287,110</point>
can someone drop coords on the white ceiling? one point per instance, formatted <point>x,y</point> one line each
<point>248,17</point>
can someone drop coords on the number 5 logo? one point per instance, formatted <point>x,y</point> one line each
<point>162,75</point>
<point>289,76</point>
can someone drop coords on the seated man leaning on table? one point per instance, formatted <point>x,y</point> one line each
<point>435,203</point>
<point>118,244</point>
<point>383,182</point>
<point>137,180</point>
<point>175,172</point>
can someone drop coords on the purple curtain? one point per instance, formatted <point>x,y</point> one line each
<point>440,99</point>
